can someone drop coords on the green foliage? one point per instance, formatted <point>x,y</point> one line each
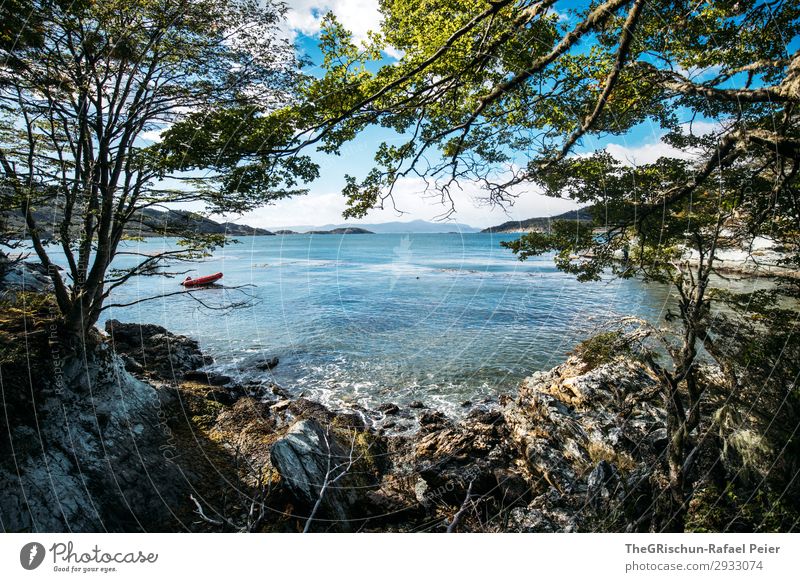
<point>602,348</point>
<point>481,86</point>
<point>728,510</point>
<point>89,85</point>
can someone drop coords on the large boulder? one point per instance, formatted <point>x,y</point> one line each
<point>322,465</point>
<point>17,276</point>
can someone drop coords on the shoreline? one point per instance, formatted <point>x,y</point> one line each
<point>137,430</point>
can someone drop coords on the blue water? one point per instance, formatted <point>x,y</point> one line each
<point>441,318</point>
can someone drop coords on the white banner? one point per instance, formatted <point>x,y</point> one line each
<point>406,557</point>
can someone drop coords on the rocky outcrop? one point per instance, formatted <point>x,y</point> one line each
<point>152,350</point>
<point>578,449</point>
<point>587,440</point>
<point>17,276</point>
<point>90,457</point>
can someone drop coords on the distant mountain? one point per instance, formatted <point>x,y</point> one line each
<point>413,226</point>
<point>540,223</point>
<point>345,230</point>
<point>156,223</point>
<point>147,223</point>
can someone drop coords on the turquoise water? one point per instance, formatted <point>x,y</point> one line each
<point>441,318</point>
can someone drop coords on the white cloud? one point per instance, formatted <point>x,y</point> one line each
<point>411,199</point>
<point>646,153</point>
<point>358,16</point>
<point>153,135</point>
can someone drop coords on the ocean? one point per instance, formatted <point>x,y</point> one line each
<point>369,319</point>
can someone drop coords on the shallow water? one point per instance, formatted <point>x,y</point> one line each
<point>441,318</point>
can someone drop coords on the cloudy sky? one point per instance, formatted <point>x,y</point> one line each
<point>324,203</point>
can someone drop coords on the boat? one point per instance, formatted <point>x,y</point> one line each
<point>200,281</point>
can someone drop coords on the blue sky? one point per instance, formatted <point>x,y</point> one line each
<point>324,204</point>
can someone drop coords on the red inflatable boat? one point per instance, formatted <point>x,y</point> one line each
<point>207,280</point>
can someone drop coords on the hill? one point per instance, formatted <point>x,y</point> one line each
<point>396,227</point>
<point>147,223</point>
<point>541,222</point>
<point>344,230</point>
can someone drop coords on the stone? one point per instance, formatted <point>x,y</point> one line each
<point>309,458</point>
<point>281,405</point>
<point>210,378</point>
<point>258,361</point>
<point>92,464</point>
<point>160,353</point>
<point>389,409</point>
<point>602,484</point>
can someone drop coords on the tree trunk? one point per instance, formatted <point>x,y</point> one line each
<point>675,509</point>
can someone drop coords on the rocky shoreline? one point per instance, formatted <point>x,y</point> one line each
<point>135,435</point>
<point>577,449</point>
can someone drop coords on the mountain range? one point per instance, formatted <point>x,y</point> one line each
<point>397,227</point>
<point>540,223</point>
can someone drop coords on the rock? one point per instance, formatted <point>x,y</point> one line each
<point>308,459</point>
<point>259,362</point>
<point>582,432</point>
<point>91,464</point>
<point>513,486</point>
<point>162,354</point>
<point>305,408</point>
<point>541,520</point>
<point>432,419</point>
<point>281,405</point>
<point>416,404</point>
<point>353,419</point>
<point>658,439</point>
<point>484,416</point>
<point>224,397</point>
<point>132,365</point>
<point>279,392</point>
<point>451,457</point>
<point>602,484</point>
<point>22,276</point>
<point>389,409</point>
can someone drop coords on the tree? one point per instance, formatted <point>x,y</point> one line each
<point>79,100</point>
<point>680,248</point>
<point>501,93</point>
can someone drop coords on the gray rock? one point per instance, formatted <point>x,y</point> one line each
<point>159,352</point>
<point>22,276</point>
<point>93,463</point>
<point>209,378</point>
<point>311,457</point>
<point>258,362</point>
<point>602,484</point>
<point>389,409</point>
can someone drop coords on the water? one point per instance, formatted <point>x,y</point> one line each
<point>365,319</point>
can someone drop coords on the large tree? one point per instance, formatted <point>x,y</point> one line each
<point>501,93</point>
<point>83,97</point>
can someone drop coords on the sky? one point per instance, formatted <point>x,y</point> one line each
<point>324,203</point>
